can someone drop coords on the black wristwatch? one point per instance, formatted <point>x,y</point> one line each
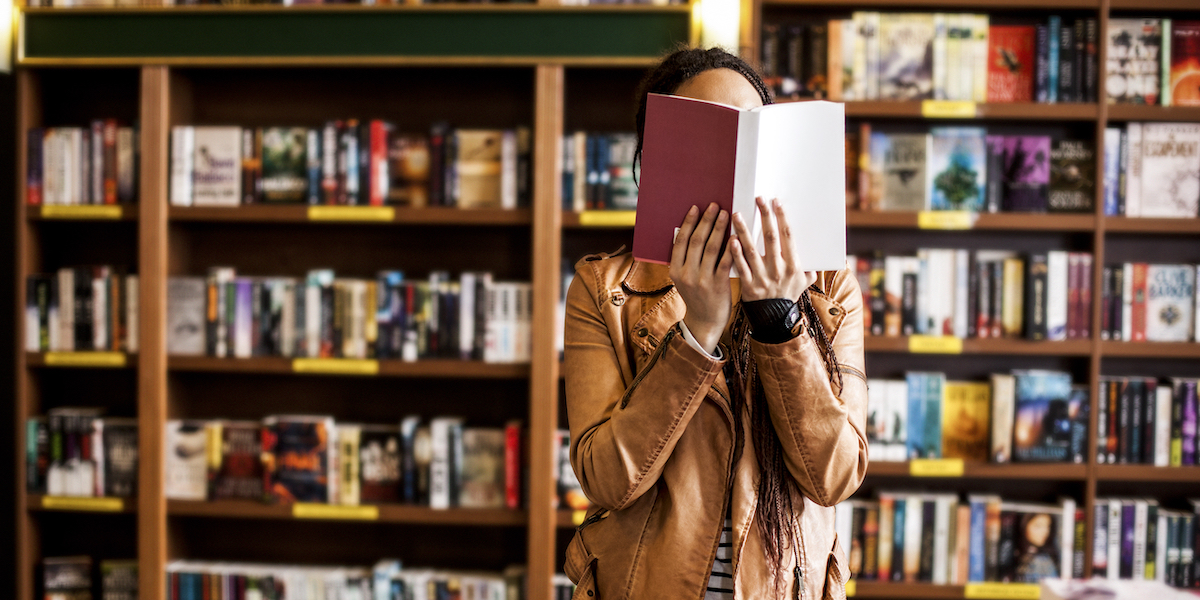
<point>774,320</point>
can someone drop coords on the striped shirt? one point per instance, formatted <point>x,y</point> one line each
<point>720,582</point>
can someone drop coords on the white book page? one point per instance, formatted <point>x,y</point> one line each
<point>801,161</point>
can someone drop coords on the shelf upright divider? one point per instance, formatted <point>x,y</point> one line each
<point>152,306</point>
<point>543,382</point>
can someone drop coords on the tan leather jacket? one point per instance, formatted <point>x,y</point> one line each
<point>652,440</point>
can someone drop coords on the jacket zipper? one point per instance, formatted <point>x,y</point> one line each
<point>853,371</point>
<point>600,514</point>
<point>662,346</point>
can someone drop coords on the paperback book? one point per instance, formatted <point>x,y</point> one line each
<point>956,171</point>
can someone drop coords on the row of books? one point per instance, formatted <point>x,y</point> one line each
<point>1135,538</point>
<point>965,168</point>
<point>439,462</point>
<point>1154,62</point>
<point>74,577</point>
<point>1141,420</point>
<point>74,451</point>
<point>1143,302</point>
<point>324,316</point>
<point>597,171</point>
<point>1023,416</point>
<point>936,538</point>
<point>81,309</point>
<point>977,294</point>
<point>350,162</point>
<point>81,165</point>
<point>924,56</point>
<point>1153,169</point>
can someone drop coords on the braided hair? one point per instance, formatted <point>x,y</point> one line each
<point>775,512</point>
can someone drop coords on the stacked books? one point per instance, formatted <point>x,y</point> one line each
<point>936,538</point>
<point>1143,302</point>
<point>77,452</point>
<point>1135,539</point>
<point>1152,170</point>
<point>71,578</point>
<point>440,463</point>
<point>1143,421</point>
<point>80,309</point>
<point>597,171</point>
<point>81,165</point>
<point>350,162</point>
<point>1153,62</point>
<point>1024,416</point>
<point>324,316</point>
<point>977,294</point>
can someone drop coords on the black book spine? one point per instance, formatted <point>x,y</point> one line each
<point>84,338</point>
<point>972,298</point>
<point>794,63</point>
<point>1124,420</point>
<point>1035,297</point>
<point>437,158</point>
<point>1118,298</point>
<point>1091,66</point>
<point>327,317</point>
<point>908,305</point>
<point>878,294</point>
<point>1106,293</point>
<point>816,63</point>
<point>1042,73</point>
<point>258,317</point>
<point>928,515</point>
<point>1080,57</point>
<point>1137,404</point>
<point>450,190</point>
<point>1066,63</point>
<point>1102,432</point>
<point>996,273</point>
<point>1114,419</point>
<point>995,177</point>
<point>1006,569</point>
<point>1149,416</point>
<point>1151,541</point>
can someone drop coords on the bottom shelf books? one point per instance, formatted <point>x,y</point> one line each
<point>71,578</point>
<point>1141,420</point>
<point>1135,539</point>
<point>935,538</point>
<point>76,452</point>
<point>288,458</point>
<point>387,580</point>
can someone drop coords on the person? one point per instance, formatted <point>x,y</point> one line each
<point>714,422</point>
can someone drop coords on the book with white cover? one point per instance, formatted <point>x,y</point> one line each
<point>1170,294</point>
<point>1170,170</point>
<point>183,145</point>
<point>217,166</point>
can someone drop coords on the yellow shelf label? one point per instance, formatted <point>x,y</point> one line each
<point>85,359</point>
<point>935,467</point>
<point>305,510</point>
<point>607,218</point>
<point>336,366</point>
<point>935,344</point>
<point>1003,591</point>
<point>351,213</point>
<point>86,211</point>
<point>577,517</point>
<point>946,219</point>
<point>84,504</point>
<point>851,588</point>
<point>948,109</point>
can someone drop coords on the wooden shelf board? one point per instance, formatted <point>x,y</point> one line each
<point>387,368</point>
<point>1023,111</point>
<point>359,8</point>
<point>388,513</point>
<point>1060,471</point>
<point>38,360</point>
<point>947,4</point>
<point>991,346</point>
<point>129,212</point>
<point>986,221</point>
<point>1148,473</point>
<point>264,213</point>
<point>34,503</point>
<point>1151,349</point>
<point>573,220</point>
<point>916,591</point>
<point>1148,5</point>
<point>1140,225</point>
<point>1137,112</point>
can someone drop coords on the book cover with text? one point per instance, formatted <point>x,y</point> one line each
<point>1011,55</point>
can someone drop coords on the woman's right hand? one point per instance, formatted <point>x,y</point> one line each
<point>701,278</point>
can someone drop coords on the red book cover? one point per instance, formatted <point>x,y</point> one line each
<point>1085,296</point>
<point>110,161</point>
<point>1185,63</point>
<point>1074,287</point>
<point>1138,304</point>
<point>1011,53</point>
<point>378,163</point>
<point>512,465</point>
<point>34,166</point>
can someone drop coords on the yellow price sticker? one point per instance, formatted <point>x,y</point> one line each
<point>335,366</point>
<point>946,219</point>
<point>577,517</point>
<point>85,359</point>
<point>306,510</point>
<point>83,504</point>
<point>935,344</point>
<point>351,213</point>
<point>851,588</point>
<point>948,109</point>
<point>607,218</point>
<point>84,211</point>
<point>935,467</point>
<point>1003,591</point>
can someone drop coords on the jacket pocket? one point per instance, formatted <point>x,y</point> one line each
<point>581,568</point>
<point>835,580</point>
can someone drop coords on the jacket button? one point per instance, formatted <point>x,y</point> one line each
<point>618,300</point>
<point>643,332</point>
<point>590,593</point>
<point>834,311</point>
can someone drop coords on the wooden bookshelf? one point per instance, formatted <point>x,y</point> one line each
<point>383,513</point>
<point>261,213</point>
<point>1148,474</point>
<point>1009,346</point>
<point>883,109</point>
<point>1135,112</point>
<point>434,368</point>
<point>1014,471</point>
<point>1151,349</point>
<point>947,5</point>
<point>1146,225</point>
<point>39,502</point>
<point>905,591</point>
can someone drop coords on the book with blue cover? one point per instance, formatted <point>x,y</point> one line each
<point>1042,428</point>
<point>956,168</point>
<point>925,392</point>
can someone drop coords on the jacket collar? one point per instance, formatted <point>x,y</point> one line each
<point>647,279</point>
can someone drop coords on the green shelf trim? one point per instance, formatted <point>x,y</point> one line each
<point>163,35</point>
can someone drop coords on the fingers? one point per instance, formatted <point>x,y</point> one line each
<point>787,250</point>
<point>751,264</point>
<point>716,239</point>
<point>770,235</point>
<point>739,259</point>
<point>679,248</point>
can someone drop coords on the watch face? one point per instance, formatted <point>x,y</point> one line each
<point>792,317</point>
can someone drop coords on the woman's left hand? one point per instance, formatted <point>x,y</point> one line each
<point>776,274</point>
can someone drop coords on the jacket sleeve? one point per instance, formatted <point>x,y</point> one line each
<point>823,433</point>
<point>622,432</point>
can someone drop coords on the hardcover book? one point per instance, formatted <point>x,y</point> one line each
<point>296,458</point>
<point>379,464</point>
<point>235,467</point>
<point>216,168</point>
<point>1185,63</point>
<point>905,56</point>
<point>186,301</point>
<point>696,153</point>
<point>1170,293</point>
<point>1011,54</point>
<point>408,167</point>
<point>284,164</point>
<point>965,421</point>
<point>1025,178</point>
<point>120,457</point>
<point>186,461</point>
<point>1133,61</point>
<point>483,468</point>
<point>900,160</point>
<point>1072,176</point>
<point>1170,178</point>
<point>1042,427</point>
<point>956,168</point>
<point>477,167</point>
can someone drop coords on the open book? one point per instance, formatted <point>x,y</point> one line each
<point>696,152</point>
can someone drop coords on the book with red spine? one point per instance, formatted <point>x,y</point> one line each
<point>1011,53</point>
<point>1085,295</point>
<point>512,465</point>
<point>378,162</point>
<point>1185,63</point>
<point>109,161</point>
<point>1074,287</point>
<point>1138,303</point>
<point>34,166</point>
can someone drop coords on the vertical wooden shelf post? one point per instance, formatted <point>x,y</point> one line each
<point>152,354</point>
<point>543,381</point>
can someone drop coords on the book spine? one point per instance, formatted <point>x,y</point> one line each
<point>1133,173</point>
<point>1106,300</point>
<point>887,505</point>
<point>1102,421</point>
<point>182,151</point>
<point>1091,67</point>
<point>1136,412</point>
<point>1137,306</point>
<point>1066,63</point>
<point>1055,37</point>
<point>1162,425</point>
<point>1114,539</point>
<point>1100,539</point>
<point>1042,72</point>
<point>1128,537</point>
<point>1149,404</point>
<point>108,161</point>
<point>313,165</point>
<point>34,152</point>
